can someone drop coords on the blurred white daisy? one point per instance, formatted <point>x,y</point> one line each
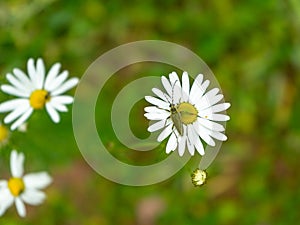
<point>36,91</point>
<point>19,189</point>
<point>189,115</point>
<point>23,127</point>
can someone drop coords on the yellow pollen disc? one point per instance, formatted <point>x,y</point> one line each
<point>38,99</point>
<point>4,133</point>
<point>16,186</point>
<point>188,112</point>
<point>199,177</point>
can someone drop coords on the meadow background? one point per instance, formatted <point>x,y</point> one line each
<point>253,48</point>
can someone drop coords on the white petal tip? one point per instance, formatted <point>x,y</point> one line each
<point>76,80</point>
<point>56,121</point>
<point>212,143</point>
<point>12,128</point>
<point>168,151</point>
<point>159,139</point>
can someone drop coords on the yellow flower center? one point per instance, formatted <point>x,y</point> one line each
<point>199,177</point>
<point>188,112</point>
<point>38,99</point>
<point>16,186</point>
<point>4,133</point>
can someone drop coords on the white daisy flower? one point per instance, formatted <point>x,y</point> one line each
<point>36,91</point>
<point>188,115</point>
<point>19,189</point>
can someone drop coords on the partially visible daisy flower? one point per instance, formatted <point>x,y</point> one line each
<point>199,177</point>
<point>188,115</point>
<point>4,135</point>
<point>22,188</point>
<point>36,91</point>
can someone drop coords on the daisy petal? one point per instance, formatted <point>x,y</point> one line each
<point>52,113</point>
<point>66,86</point>
<point>53,72</point>
<point>219,136</point>
<point>23,79</point>
<point>20,207</point>
<point>59,107</point>
<point>3,184</point>
<point>177,94</point>
<point>58,81</point>
<point>17,164</point>
<point>16,83</point>
<point>33,197</point>
<point>62,99</point>
<point>165,133</point>
<point>199,79</point>
<point>31,71</point>
<point>185,86</point>
<point>181,146</point>
<point>219,107</point>
<point>191,140</point>
<point>17,112</point>
<point>198,91</point>
<point>196,140</point>
<point>22,119</point>
<point>13,162</point>
<point>12,104</point>
<point>40,73</point>
<point>38,180</point>
<point>161,95</point>
<point>203,87</point>
<point>154,109</point>
<point>158,125</point>
<point>6,200</point>
<point>218,117</point>
<point>172,143</point>
<point>191,148</point>
<point>199,146</point>
<point>159,103</point>
<point>174,79</point>
<point>166,85</point>
<point>204,103</point>
<point>157,116</point>
<point>203,133</point>
<point>196,85</point>
<point>58,102</point>
<point>8,89</point>
<point>210,124</point>
<point>210,94</point>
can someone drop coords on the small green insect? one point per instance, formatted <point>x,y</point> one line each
<point>175,115</point>
<point>176,119</point>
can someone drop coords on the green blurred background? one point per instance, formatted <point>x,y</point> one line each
<point>253,48</point>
